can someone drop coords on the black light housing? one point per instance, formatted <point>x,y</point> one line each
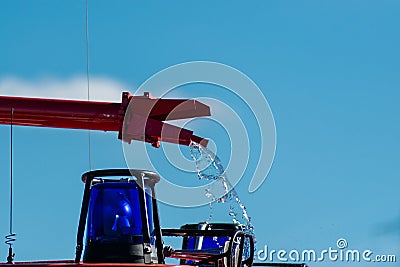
<point>122,218</point>
<point>213,244</point>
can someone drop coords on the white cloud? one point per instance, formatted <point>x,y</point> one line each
<point>101,88</point>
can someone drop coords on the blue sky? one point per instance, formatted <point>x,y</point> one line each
<point>329,70</point>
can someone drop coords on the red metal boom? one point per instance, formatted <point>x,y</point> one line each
<point>135,118</point>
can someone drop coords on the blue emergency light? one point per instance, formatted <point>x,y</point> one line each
<point>213,244</point>
<point>122,218</point>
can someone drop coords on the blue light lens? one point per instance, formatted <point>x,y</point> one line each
<point>114,213</point>
<point>207,242</point>
<point>214,242</point>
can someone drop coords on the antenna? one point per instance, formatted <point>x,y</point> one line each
<point>88,78</point>
<point>10,238</point>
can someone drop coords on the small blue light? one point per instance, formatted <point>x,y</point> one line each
<point>214,242</point>
<point>207,242</point>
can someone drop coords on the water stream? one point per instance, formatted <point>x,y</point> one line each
<point>209,167</point>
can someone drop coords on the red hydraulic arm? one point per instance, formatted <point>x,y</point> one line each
<point>135,118</point>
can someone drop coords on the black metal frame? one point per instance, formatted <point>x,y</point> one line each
<point>213,257</point>
<point>89,178</point>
